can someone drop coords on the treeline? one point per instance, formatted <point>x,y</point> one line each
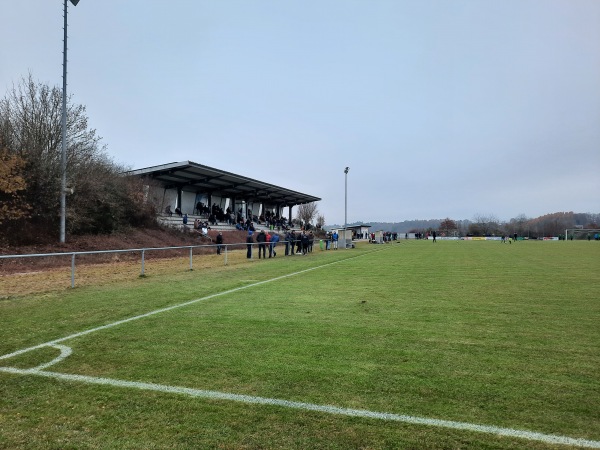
<point>406,226</point>
<point>100,199</point>
<point>553,224</point>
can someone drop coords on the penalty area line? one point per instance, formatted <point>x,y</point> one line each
<point>327,409</point>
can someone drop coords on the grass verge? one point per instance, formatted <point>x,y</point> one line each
<point>475,332</point>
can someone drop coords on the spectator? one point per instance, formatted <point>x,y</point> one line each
<point>219,242</point>
<point>261,238</point>
<point>289,242</point>
<point>273,244</point>
<point>249,242</point>
<point>304,241</point>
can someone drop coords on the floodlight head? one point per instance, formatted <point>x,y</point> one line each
<point>74,2</point>
<point>346,169</point>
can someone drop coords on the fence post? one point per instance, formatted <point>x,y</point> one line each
<point>225,254</point>
<point>73,270</point>
<point>142,274</point>
<point>191,253</point>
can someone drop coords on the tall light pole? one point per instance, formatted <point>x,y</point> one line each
<point>63,165</point>
<point>346,170</point>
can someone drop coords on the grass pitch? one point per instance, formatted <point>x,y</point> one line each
<point>477,333</point>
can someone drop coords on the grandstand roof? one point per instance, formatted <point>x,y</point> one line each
<point>193,177</point>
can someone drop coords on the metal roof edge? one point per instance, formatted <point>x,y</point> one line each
<point>184,164</point>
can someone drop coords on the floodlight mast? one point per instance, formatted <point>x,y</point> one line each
<point>63,166</point>
<point>346,170</point>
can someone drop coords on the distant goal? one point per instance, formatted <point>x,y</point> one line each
<point>581,234</point>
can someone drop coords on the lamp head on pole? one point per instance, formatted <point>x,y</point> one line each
<point>74,2</point>
<point>346,170</point>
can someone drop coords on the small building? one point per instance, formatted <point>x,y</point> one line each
<point>358,231</point>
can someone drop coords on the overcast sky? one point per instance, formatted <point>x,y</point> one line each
<point>440,108</point>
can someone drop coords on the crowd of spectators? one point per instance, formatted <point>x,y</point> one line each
<point>278,230</point>
<point>300,243</point>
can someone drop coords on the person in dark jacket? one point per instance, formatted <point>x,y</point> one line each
<point>288,242</point>
<point>219,242</point>
<point>292,242</point>
<point>261,238</point>
<point>249,242</point>
<point>304,240</point>
<point>299,242</point>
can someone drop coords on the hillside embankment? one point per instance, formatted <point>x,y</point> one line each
<point>131,239</point>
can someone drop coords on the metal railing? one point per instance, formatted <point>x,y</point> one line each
<point>143,251</point>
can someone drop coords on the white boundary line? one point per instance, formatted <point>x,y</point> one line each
<point>329,409</point>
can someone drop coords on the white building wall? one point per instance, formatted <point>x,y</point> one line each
<point>187,202</point>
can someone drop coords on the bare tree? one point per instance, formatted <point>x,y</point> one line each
<point>553,224</point>
<point>448,226</point>
<point>320,221</point>
<point>484,225</point>
<point>306,213</point>
<point>30,129</point>
<point>518,225</point>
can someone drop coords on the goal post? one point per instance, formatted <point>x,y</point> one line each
<point>581,234</point>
